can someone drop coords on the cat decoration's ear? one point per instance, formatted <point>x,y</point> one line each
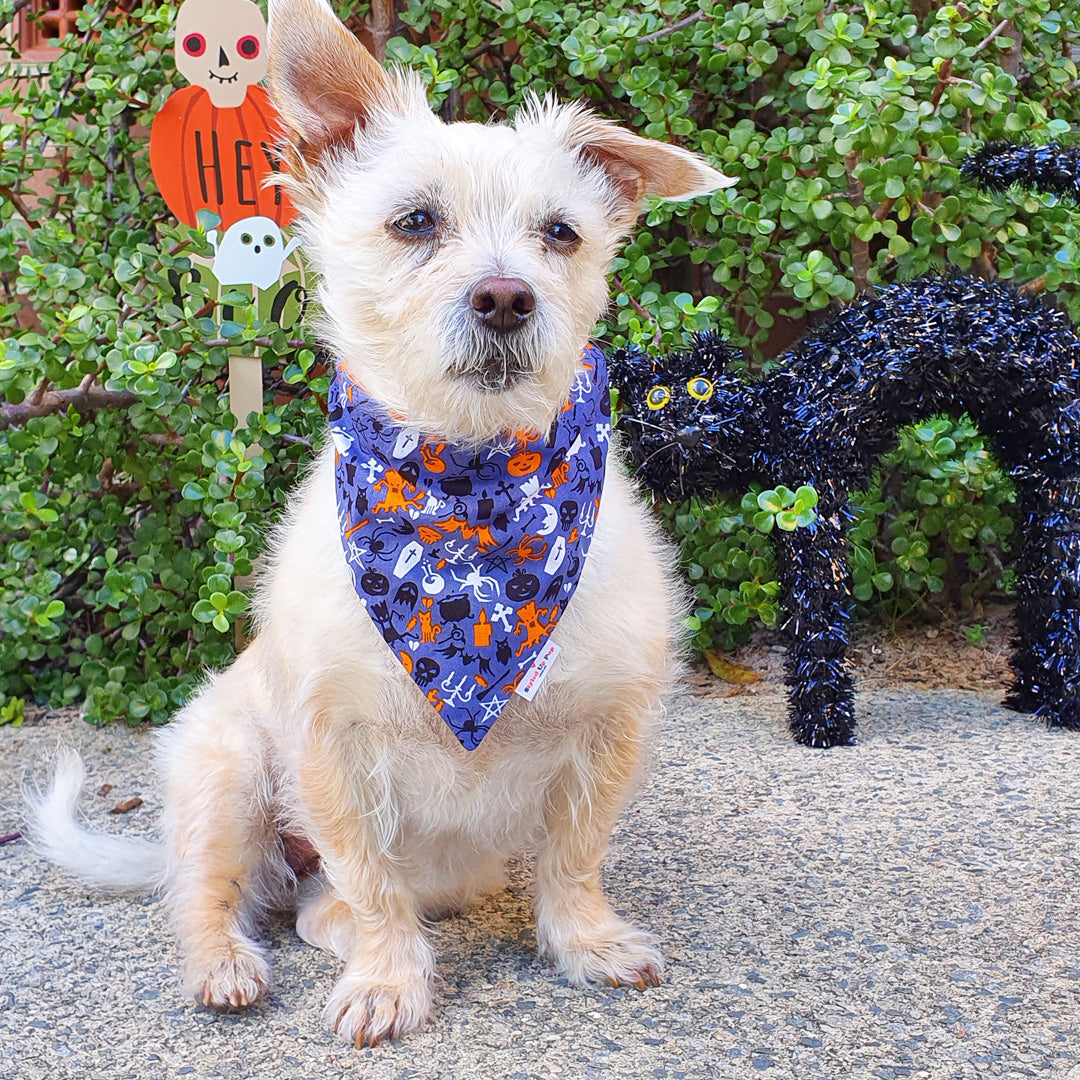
<point>634,167</point>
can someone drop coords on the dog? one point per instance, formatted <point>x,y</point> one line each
<point>461,269</point>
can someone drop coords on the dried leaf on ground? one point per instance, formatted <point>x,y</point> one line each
<point>729,672</point>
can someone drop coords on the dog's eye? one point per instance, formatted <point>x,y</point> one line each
<point>700,388</point>
<point>658,397</point>
<point>560,234</point>
<point>416,223</point>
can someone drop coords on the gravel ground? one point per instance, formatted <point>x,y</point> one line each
<point>903,908</point>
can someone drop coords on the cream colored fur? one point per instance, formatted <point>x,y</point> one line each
<point>316,729</point>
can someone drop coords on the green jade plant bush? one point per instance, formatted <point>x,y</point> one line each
<point>132,512</point>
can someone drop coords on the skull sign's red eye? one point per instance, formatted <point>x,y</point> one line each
<point>194,44</point>
<point>248,47</point>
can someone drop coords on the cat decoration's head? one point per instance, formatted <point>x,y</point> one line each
<point>686,421</point>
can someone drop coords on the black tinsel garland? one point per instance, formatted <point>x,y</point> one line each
<point>1051,168</point>
<point>823,418</point>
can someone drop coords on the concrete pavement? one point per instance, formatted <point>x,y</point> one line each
<point>904,908</point>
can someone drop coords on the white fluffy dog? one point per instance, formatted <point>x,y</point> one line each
<point>462,270</point>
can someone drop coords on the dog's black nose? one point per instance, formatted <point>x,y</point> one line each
<point>503,303</point>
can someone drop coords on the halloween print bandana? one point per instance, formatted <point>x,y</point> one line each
<point>465,559</point>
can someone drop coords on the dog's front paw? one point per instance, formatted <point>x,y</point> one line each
<point>233,975</point>
<point>619,955</point>
<point>366,1010</point>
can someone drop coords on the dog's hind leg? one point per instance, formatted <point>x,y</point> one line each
<point>324,920</point>
<point>372,914</point>
<point>217,829</point>
<point>576,927</point>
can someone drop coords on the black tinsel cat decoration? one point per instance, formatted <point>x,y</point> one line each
<point>948,344</point>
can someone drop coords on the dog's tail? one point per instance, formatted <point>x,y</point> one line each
<point>114,864</point>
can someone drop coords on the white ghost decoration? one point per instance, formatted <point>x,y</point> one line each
<point>251,252</point>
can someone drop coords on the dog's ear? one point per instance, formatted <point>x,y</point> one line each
<point>635,167</point>
<point>324,82</point>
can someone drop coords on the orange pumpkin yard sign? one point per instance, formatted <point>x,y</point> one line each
<point>212,148</point>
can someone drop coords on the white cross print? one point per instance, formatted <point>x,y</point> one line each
<point>373,468</point>
<point>602,432</point>
<point>499,615</point>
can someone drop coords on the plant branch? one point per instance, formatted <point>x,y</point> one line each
<point>639,309</point>
<point>15,9</point>
<point>382,26</point>
<point>82,398</point>
<point>674,28</point>
<point>993,34</point>
<point>16,200</point>
<point>860,249</point>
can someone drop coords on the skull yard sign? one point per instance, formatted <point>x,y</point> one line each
<point>212,148</point>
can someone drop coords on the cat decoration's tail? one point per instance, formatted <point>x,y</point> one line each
<point>111,864</point>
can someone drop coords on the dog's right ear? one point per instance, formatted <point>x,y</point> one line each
<point>323,81</point>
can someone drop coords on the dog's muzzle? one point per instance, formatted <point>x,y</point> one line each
<point>502,308</point>
<point>497,373</point>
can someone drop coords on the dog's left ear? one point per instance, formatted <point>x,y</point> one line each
<point>635,167</point>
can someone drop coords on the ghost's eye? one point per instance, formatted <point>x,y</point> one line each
<point>245,238</point>
<point>194,44</point>
<point>269,241</point>
<point>416,223</point>
<point>658,397</point>
<point>248,47</point>
<point>700,388</point>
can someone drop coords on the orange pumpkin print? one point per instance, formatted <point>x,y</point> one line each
<point>523,463</point>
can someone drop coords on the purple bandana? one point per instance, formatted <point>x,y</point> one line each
<point>466,558</point>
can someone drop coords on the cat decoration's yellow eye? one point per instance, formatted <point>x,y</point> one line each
<point>658,397</point>
<point>700,388</point>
